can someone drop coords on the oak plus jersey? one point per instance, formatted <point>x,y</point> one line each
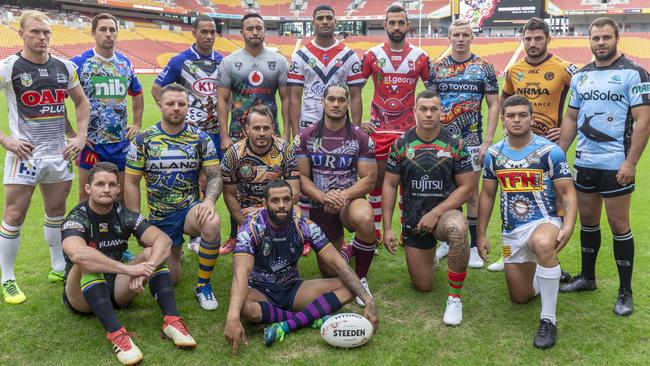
<point>604,97</point>
<point>395,75</point>
<point>36,99</point>
<point>198,74</point>
<point>106,82</point>
<point>526,178</point>
<point>314,68</point>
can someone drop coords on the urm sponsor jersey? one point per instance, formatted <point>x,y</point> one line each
<point>526,178</point>
<point>604,98</point>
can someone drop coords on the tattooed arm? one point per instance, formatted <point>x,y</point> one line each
<point>215,183</point>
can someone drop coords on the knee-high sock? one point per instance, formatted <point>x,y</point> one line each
<point>456,281</point>
<point>162,290</point>
<point>347,252</point>
<point>375,202</point>
<point>590,243</point>
<point>9,243</point>
<point>624,256</point>
<point>323,305</point>
<point>208,253</point>
<point>52,230</point>
<point>548,279</point>
<point>95,291</point>
<point>473,224</point>
<point>304,206</point>
<point>273,314</point>
<point>363,253</point>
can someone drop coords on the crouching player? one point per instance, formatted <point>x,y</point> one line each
<point>266,287</point>
<point>531,171</point>
<point>95,235</point>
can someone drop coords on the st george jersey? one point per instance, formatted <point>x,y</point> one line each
<point>526,178</point>
<point>106,83</point>
<point>604,97</point>
<point>395,75</point>
<point>314,68</point>
<point>545,85</point>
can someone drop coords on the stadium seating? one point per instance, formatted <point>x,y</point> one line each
<point>574,49</point>
<point>637,47</point>
<point>429,6</point>
<point>373,7</point>
<point>497,51</point>
<point>339,6</point>
<point>228,6</point>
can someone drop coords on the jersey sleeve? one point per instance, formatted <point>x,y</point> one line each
<point>366,65</point>
<point>290,170</point>
<point>223,76</point>
<point>314,235</point>
<point>5,72</point>
<point>246,238</point>
<point>462,160</point>
<point>135,156</point>
<point>73,77</point>
<point>394,157</point>
<point>574,99</point>
<point>209,155</point>
<point>424,69</point>
<point>171,73</point>
<point>639,88</point>
<point>491,82</point>
<point>75,224</point>
<point>300,142</point>
<point>229,166</point>
<point>569,70</point>
<point>134,222</point>
<point>488,167</point>
<point>135,88</point>
<point>558,165</point>
<point>296,76</point>
<point>355,77</point>
<point>508,88</point>
<point>366,146</point>
<point>283,70</point>
<point>432,76</point>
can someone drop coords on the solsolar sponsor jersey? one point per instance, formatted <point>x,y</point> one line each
<point>604,97</point>
<point>526,178</point>
<point>198,74</point>
<point>395,75</point>
<point>314,68</point>
<point>106,83</point>
<point>36,99</point>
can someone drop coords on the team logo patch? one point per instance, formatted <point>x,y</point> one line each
<point>255,78</point>
<point>521,180</point>
<point>549,76</point>
<point>338,62</point>
<point>411,64</point>
<point>271,65</point>
<point>26,80</point>
<point>238,65</point>
<point>616,79</point>
<point>519,75</point>
<point>381,62</point>
<point>193,68</point>
<point>246,172</point>
<point>311,62</point>
<point>583,79</point>
<point>103,227</point>
<point>410,152</point>
<point>61,78</point>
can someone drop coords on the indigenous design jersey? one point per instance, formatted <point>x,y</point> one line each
<point>250,172</point>
<point>526,178</point>
<point>106,82</point>
<point>426,170</point>
<point>171,166</point>
<point>545,85</point>
<point>314,68</point>
<point>605,97</point>
<point>277,252</point>
<point>333,156</point>
<point>395,75</point>
<point>461,86</point>
<point>198,74</point>
<point>36,100</point>
<point>252,80</point>
<point>109,233</point>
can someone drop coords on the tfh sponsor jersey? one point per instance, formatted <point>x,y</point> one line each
<point>604,97</point>
<point>395,75</point>
<point>36,99</point>
<point>314,68</point>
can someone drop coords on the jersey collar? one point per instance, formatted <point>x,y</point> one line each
<point>200,56</point>
<point>535,64</point>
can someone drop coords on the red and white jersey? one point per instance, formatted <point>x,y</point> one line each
<point>314,68</point>
<point>395,75</point>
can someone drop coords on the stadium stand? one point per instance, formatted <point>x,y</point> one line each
<point>497,51</point>
<point>429,6</point>
<point>598,5</point>
<point>372,7</point>
<point>228,6</point>
<point>340,7</point>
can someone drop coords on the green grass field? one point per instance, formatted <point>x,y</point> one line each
<point>494,331</point>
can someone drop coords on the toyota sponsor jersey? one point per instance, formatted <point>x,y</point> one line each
<point>314,68</point>
<point>198,74</point>
<point>395,75</point>
<point>252,80</point>
<point>106,83</point>
<point>604,98</point>
<point>36,100</point>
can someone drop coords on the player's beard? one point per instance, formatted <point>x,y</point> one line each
<point>607,56</point>
<point>277,221</point>
<point>396,37</point>
<point>541,51</point>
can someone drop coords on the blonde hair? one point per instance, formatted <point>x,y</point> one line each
<point>460,23</point>
<point>32,14</point>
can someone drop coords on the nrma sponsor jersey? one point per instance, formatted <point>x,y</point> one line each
<point>526,178</point>
<point>604,98</point>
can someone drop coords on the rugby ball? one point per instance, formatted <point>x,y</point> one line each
<point>347,330</point>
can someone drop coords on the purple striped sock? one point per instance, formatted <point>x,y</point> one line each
<point>323,305</point>
<point>273,314</point>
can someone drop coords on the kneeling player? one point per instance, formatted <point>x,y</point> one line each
<point>434,170</point>
<point>530,170</point>
<point>95,235</point>
<point>266,286</point>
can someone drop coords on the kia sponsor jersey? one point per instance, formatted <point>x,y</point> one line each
<point>198,74</point>
<point>106,83</point>
<point>36,100</point>
<point>170,165</point>
<point>314,68</point>
<point>395,75</point>
<point>462,86</point>
<point>276,252</point>
<point>604,98</point>
<point>252,80</point>
<point>526,178</point>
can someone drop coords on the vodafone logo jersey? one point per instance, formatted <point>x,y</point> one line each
<point>395,75</point>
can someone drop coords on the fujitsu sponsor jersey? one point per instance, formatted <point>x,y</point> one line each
<point>462,86</point>
<point>604,98</point>
<point>526,178</point>
<point>36,99</point>
<point>106,83</point>
<point>395,75</point>
<point>198,74</point>
<point>314,68</point>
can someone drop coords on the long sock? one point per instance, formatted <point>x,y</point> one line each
<point>548,279</point>
<point>208,253</point>
<point>624,256</point>
<point>233,228</point>
<point>9,243</point>
<point>455,283</point>
<point>375,202</point>
<point>304,206</point>
<point>323,305</point>
<point>52,230</point>
<point>473,223</point>
<point>347,252</point>
<point>273,314</point>
<point>95,291</point>
<point>162,290</point>
<point>363,253</point>
<point>590,243</point>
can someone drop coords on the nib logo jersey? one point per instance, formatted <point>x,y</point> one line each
<point>109,87</point>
